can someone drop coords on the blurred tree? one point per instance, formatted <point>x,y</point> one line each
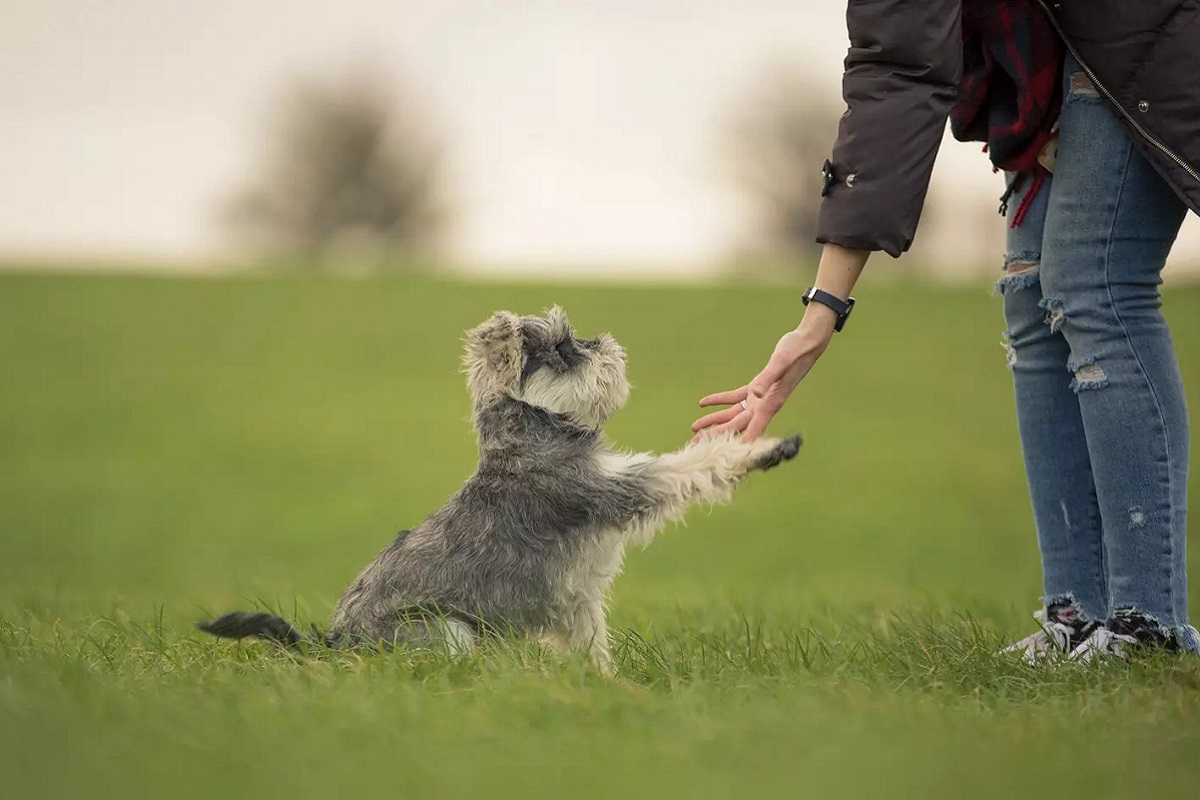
<point>776,141</point>
<point>350,174</point>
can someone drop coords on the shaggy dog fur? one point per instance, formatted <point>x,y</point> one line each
<point>532,541</point>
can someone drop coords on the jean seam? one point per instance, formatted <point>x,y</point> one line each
<point>1145,375</point>
<point>1107,595</point>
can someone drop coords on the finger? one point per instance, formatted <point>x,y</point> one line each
<point>735,425</point>
<point>758,423</point>
<point>716,418</point>
<point>765,402</point>
<point>724,398</point>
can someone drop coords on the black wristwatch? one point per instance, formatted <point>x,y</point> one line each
<point>826,299</point>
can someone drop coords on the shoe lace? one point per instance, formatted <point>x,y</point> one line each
<point>1102,641</point>
<point>1060,633</point>
<point>1055,634</point>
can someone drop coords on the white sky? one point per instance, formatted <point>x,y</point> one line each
<point>581,132</point>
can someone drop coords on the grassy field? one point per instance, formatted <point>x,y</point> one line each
<point>174,448</point>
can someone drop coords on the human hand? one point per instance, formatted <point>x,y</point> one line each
<point>755,404</point>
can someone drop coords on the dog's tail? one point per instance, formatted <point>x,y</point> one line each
<point>240,624</point>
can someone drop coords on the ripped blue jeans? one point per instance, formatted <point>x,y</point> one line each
<point>1100,401</point>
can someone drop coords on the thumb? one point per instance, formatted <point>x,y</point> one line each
<point>758,423</point>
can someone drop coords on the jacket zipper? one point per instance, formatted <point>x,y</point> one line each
<point>1104,91</point>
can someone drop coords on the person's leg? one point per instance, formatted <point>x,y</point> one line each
<point>1053,442</point>
<point>1110,223</point>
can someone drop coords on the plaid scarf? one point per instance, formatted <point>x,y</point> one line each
<point>1010,93</point>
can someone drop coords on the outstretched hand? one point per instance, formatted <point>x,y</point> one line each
<point>753,406</point>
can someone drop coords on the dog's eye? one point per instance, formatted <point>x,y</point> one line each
<point>532,365</point>
<point>566,349</point>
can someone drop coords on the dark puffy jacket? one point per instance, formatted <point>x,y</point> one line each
<point>901,75</point>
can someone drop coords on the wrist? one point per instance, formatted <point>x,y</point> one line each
<point>841,308</point>
<point>817,326</point>
<point>818,317</point>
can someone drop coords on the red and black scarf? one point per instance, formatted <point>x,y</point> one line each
<point>1010,92</point>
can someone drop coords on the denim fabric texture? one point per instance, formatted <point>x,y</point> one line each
<point>1100,402</point>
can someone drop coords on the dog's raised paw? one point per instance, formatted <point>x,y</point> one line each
<point>785,450</point>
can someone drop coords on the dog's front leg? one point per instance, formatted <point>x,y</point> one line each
<point>702,473</point>
<point>589,633</point>
<point>585,631</point>
<point>707,471</point>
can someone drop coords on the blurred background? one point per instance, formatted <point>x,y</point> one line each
<point>239,244</point>
<point>664,139</point>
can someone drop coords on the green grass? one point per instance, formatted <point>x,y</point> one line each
<point>175,448</point>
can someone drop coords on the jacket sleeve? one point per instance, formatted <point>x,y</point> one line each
<point>901,76</point>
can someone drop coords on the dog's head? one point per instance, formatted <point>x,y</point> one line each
<point>538,360</point>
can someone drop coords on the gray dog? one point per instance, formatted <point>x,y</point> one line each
<point>532,541</point>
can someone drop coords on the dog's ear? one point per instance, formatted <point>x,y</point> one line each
<point>560,326</point>
<point>493,349</point>
<point>499,327</point>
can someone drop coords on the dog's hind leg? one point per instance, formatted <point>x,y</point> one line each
<point>443,634</point>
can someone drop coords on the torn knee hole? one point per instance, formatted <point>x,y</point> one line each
<point>1020,272</point>
<point>1082,85</point>
<point>1055,315</point>
<point>1010,351</point>
<point>1021,268</point>
<point>1089,377</point>
<point>1087,374</point>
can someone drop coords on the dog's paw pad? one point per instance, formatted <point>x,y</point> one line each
<point>785,450</point>
<point>789,447</point>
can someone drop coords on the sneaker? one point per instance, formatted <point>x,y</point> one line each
<point>1120,637</point>
<point>1063,631</point>
<point>1102,642</point>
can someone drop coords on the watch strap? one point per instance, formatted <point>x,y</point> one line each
<point>841,307</point>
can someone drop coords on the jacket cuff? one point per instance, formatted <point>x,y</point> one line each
<point>861,216</point>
